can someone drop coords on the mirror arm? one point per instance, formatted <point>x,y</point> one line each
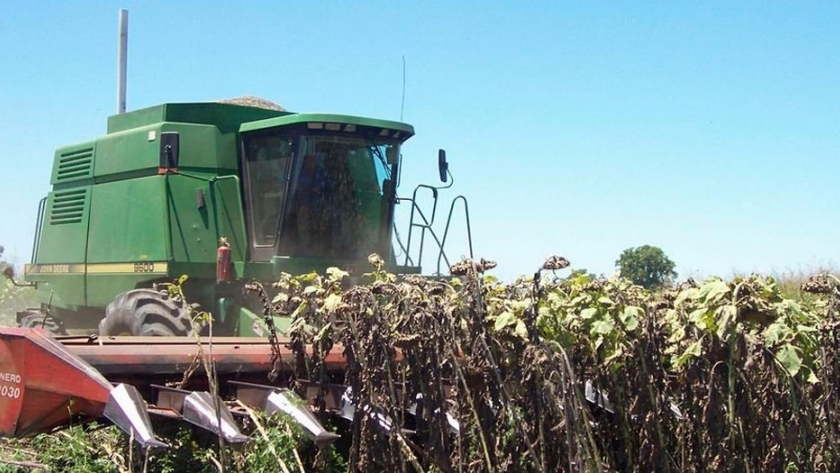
<point>9,273</point>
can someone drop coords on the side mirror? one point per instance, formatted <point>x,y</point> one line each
<point>9,272</point>
<point>169,152</point>
<point>443,166</point>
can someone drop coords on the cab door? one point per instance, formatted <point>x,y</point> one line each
<point>267,163</point>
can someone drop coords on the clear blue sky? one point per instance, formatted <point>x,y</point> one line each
<point>709,129</point>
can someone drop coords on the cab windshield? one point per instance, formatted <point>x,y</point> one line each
<point>320,195</point>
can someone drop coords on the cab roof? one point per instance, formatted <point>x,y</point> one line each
<point>325,121</point>
<point>231,117</point>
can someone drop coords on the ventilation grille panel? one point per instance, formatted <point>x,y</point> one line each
<point>68,206</point>
<point>76,164</point>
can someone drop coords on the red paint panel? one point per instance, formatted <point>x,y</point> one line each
<point>11,377</point>
<point>46,385</point>
<point>129,356</point>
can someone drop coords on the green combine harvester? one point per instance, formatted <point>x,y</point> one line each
<point>224,193</point>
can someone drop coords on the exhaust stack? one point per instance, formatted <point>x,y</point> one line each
<point>122,59</point>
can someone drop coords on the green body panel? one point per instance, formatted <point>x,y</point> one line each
<point>73,164</point>
<point>225,117</point>
<point>226,200</point>
<point>67,216</point>
<point>136,207</point>
<point>298,118</point>
<point>114,221</point>
<point>203,147</point>
<point>250,324</point>
<point>194,235</point>
<point>61,290</point>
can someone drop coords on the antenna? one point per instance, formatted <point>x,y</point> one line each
<point>122,59</point>
<point>402,105</point>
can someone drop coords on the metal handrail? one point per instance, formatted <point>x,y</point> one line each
<point>42,207</point>
<point>440,242</point>
<point>427,222</point>
<point>442,254</point>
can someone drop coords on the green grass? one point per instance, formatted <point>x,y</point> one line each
<point>790,281</point>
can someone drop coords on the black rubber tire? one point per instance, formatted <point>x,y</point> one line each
<point>33,319</point>
<point>156,329</point>
<point>145,312</point>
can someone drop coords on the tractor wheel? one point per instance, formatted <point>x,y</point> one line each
<point>33,319</point>
<point>145,312</point>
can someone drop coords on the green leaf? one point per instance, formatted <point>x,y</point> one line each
<point>767,286</point>
<point>297,324</point>
<point>554,299</point>
<point>303,307</point>
<point>788,357</point>
<point>588,313</point>
<point>776,333</point>
<point>336,274</point>
<point>520,330</point>
<point>579,300</point>
<point>520,306</point>
<point>725,316</point>
<point>713,291</point>
<point>308,277</point>
<point>503,320</point>
<point>323,332</point>
<point>806,328</point>
<point>614,356</point>
<point>603,327</point>
<point>693,350</point>
<point>696,317</point>
<point>332,302</point>
<point>630,317</point>
<point>686,294</point>
<point>605,300</point>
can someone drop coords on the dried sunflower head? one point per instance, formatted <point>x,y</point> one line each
<point>555,262</point>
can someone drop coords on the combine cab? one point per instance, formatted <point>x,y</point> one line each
<point>227,194</point>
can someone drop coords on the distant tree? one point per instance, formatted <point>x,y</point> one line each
<point>646,266</point>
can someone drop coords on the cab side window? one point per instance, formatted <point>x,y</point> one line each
<point>266,162</point>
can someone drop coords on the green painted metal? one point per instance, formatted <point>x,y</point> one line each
<point>73,164</point>
<point>226,200</point>
<point>114,222</point>
<point>226,118</point>
<point>305,118</point>
<point>251,324</point>
<point>127,224</point>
